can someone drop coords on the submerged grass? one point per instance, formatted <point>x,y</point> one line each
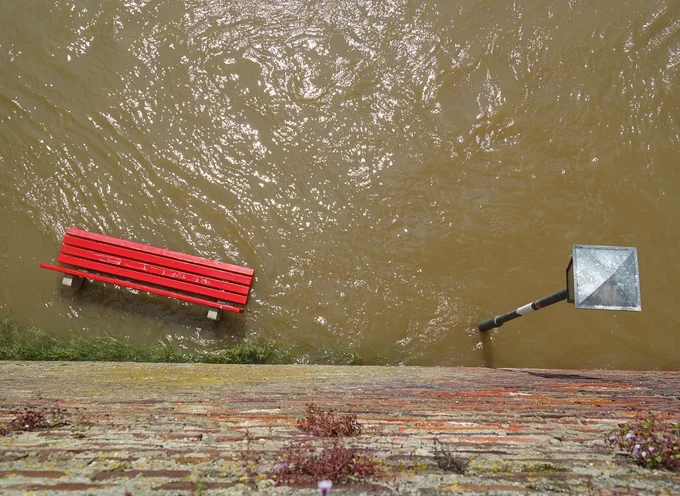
<point>31,343</point>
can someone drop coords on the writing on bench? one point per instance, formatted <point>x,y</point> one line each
<point>218,285</point>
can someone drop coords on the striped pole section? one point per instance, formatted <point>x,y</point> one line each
<point>499,320</point>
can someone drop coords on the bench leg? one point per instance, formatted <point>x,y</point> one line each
<point>73,282</point>
<point>215,314</point>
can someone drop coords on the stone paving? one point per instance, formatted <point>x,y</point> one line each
<point>219,429</point>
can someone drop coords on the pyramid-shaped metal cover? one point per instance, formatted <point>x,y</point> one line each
<point>606,277</point>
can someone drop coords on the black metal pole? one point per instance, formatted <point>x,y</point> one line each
<point>499,320</point>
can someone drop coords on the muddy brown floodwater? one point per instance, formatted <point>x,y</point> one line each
<point>395,171</point>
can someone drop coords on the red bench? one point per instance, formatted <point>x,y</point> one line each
<point>218,285</point>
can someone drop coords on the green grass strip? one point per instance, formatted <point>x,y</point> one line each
<point>31,343</point>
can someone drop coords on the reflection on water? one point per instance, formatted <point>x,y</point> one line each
<point>395,171</point>
<point>487,349</point>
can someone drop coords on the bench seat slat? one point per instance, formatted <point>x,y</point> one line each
<point>142,287</point>
<point>160,251</point>
<point>158,260</point>
<point>150,278</point>
<point>119,261</point>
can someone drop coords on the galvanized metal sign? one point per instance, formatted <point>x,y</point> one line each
<point>606,278</point>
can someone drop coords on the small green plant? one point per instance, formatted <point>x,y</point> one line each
<point>249,457</point>
<point>328,423</point>
<point>651,442</point>
<point>34,418</point>
<point>355,358</point>
<point>303,463</point>
<point>539,467</point>
<point>448,461</point>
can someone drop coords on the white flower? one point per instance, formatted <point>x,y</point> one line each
<point>325,486</point>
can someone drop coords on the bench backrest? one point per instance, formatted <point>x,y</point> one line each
<point>157,266</point>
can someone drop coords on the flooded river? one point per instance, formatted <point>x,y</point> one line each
<point>395,171</point>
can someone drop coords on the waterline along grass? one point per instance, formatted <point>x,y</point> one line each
<point>30,343</point>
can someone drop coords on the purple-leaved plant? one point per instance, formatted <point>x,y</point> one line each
<point>328,423</point>
<point>34,418</point>
<point>304,463</point>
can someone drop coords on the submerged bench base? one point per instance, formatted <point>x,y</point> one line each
<point>76,282</point>
<point>74,279</point>
<point>71,281</point>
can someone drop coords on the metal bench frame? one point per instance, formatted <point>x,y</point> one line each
<point>218,285</point>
